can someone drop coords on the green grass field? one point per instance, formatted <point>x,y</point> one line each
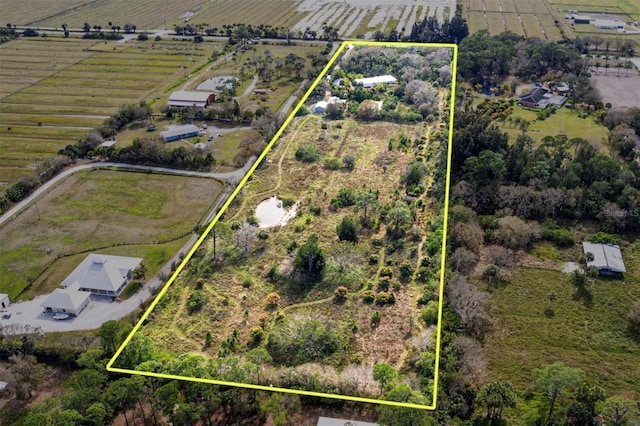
<point>591,338</point>
<point>138,214</point>
<point>564,121</point>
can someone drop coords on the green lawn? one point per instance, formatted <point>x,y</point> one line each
<point>564,121</point>
<point>133,214</point>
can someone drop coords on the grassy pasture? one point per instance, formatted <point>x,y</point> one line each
<point>563,121</point>
<point>592,338</point>
<point>513,23</point>
<point>100,208</point>
<point>476,21</point>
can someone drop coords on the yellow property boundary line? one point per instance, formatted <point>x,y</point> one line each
<point>241,184</point>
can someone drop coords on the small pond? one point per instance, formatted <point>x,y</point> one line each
<point>270,212</point>
<point>218,84</point>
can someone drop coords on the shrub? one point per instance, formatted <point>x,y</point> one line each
<point>315,210</point>
<point>143,37</point>
<point>406,269</point>
<point>368,296</point>
<point>199,283</point>
<point>196,301</point>
<point>348,230</point>
<point>340,294</point>
<point>429,313</point>
<point>308,153</point>
<point>384,298</point>
<point>263,235</point>
<point>373,259</point>
<point>246,283</point>
<point>604,238</point>
<point>273,299</point>
<point>287,202</point>
<point>387,271</point>
<point>345,198</point>
<point>375,318</point>
<point>293,245</point>
<point>256,333</point>
<point>296,341</point>
<point>332,163</point>
<point>349,162</point>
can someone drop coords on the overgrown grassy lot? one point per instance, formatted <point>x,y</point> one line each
<point>133,214</point>
<point>236,285</point>
<point>591,336</point>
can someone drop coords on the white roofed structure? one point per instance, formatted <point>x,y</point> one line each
<point>374,81</point>
<point>102,274</point>
<point>607,258</point>
<point>68,302</point>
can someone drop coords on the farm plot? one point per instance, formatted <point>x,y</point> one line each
<point>143,213</point>
<point>532,26</point>
<point>62,100</point>
<point>496,25</point>
<point>26,61</point>
<point>145,14</point>
<point>32,11</point>
<point>364,18</point>
<point>477,21</point>
<point>277,13</point>
<point>513,23</point>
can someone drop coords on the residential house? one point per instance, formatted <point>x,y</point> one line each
<point>607,258</point>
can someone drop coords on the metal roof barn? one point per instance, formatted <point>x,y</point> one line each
<point>607,258</point>
<point>180,132</point>
<point>185,98</point>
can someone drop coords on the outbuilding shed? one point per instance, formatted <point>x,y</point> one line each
<point>66,302</point>
<point>375,81</point>
<point>320,107</point>
<point>607,258</point>
<point>180,132</point>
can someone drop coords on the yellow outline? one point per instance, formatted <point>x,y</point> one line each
<point>242,182</point>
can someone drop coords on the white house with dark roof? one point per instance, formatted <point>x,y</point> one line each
<point>607,258</point>
<point>67,302</point>
<point>102,274</point>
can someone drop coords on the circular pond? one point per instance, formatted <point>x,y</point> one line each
<point>270,212</point>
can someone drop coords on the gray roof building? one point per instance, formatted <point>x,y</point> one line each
<point>180,132</point>
<point>329,421</point>
<point>102,274</point>
<point>607,258</point>
<point>68,302</point>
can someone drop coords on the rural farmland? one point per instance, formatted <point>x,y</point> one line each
<point>48,100</point>
<point>350,18</point>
